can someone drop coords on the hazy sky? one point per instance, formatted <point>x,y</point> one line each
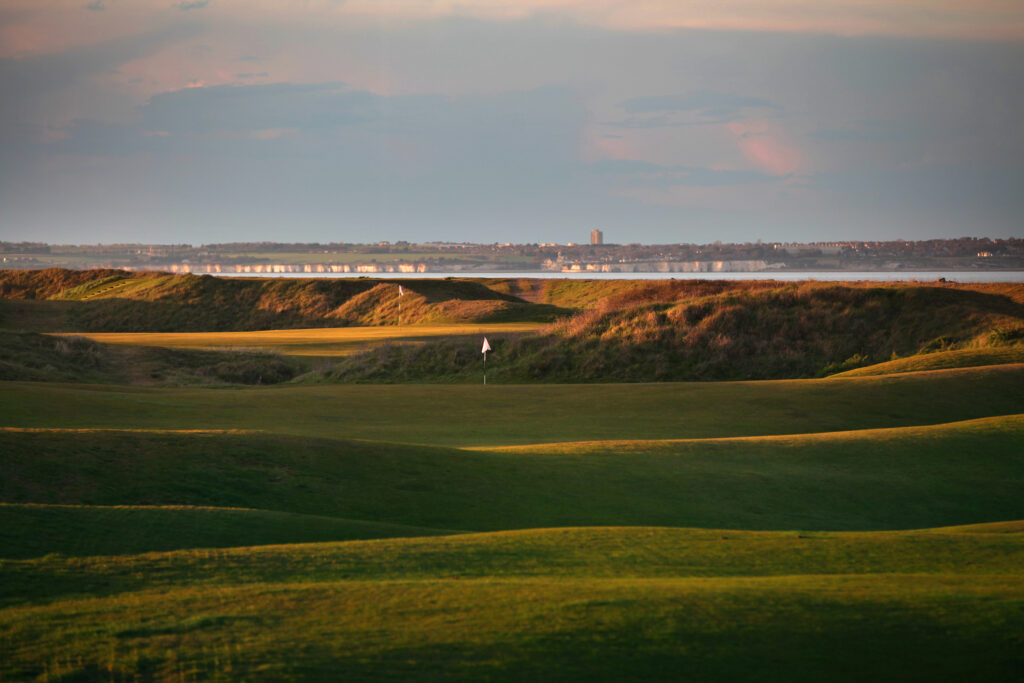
<point>654,120</point>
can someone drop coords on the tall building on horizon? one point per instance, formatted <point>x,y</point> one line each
<point>596,237</point>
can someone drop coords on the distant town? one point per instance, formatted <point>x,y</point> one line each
<point>593,256</point>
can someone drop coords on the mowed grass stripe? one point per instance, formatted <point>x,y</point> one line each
<point>836,628</point>
<point>960,473</point>
<point>334,341</point>
<point>79,530</point>
<point>495,415</point>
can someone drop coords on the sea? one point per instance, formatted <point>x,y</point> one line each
<point>782,276</point>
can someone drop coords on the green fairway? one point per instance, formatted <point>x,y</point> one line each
<point>792,530</point>
<point>461,415</point>
<point>35,530</point>
<point>875,479</point>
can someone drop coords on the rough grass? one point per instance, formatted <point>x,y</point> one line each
<point>118,301</point>
<point>878,479</point>
<point>607,604</point>
<point>627,331</point>
<point>74,358</point>
<point>747,332</point>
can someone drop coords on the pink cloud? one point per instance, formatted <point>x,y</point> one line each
<point>766,149</point>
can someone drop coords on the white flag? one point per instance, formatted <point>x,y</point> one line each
<point>400,290</point>
<point>486,348</point>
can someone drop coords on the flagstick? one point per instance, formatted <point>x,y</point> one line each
<point>484,349</point>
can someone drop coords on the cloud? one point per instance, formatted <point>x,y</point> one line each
<point>242,108</point>
<point>45,88</point>
<point>257,158</point>
<point>192,4</point>
<point>636,173</point>
<point>96,6</point>
<point>711,103</point>
<point>696,108</point>
<point>978,19</point>
<point>369,123</point>
<point>766,148</point>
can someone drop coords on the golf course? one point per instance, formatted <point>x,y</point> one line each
<point>213,480</point>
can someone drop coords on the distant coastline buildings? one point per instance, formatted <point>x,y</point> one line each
<point>593,256</point>
<point>273,268</point>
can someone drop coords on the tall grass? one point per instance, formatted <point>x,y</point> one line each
<point>801,330</point>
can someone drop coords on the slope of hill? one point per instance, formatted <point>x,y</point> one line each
<point>81,530</point>
<point>800,330</point>
<point>564,553</point>
<point>941,360</point>
<point>44,358</point>
<point>636,604</point>
<point>118,301</point>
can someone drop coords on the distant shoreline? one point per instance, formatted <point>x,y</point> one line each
<point>785,275</point>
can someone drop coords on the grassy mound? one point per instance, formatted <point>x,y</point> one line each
<point>43,358</point>
<point>118,301</point>
<point>799,330</point>
<point>80,530</point>
<point>602,604</point>
<point>941,360</point>
<point>875,479</point>
<point>563,553</point>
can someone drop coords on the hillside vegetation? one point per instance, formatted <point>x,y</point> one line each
<point>119,301</point>
<point>599,331</point>
<point>44,358</point>
<point>800,330</point>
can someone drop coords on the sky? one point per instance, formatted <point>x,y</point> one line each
<point>656,121</point>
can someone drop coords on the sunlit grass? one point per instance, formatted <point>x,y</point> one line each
<point>221,616</point>
<point>332,341</point>
<point>941,360</point>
